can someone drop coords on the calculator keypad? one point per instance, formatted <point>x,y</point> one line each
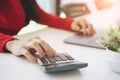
<point>60,58</point>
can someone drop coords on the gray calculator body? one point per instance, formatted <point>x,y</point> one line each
<point>64,64</point>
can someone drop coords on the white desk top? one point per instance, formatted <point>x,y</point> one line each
<point>15,68</point>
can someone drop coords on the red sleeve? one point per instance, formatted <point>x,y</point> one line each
<point>3,39</point>
<point>54,21</point>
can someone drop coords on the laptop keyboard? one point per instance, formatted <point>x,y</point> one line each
<point>61,58</point>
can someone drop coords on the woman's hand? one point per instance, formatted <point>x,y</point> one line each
<point>82,26</point>
<point>30,47</point>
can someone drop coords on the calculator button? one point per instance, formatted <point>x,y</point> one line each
<point>52,60</point>
<point>62,57</point>
<point>69,57</point>
<point>43,60</point>
<point>57,58</point>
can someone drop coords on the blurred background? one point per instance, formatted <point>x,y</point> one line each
<point>52,6</point>
<point>59,8</point>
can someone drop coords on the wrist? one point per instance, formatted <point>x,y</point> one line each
<point>9,44</point>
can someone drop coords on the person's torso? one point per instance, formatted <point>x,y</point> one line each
<point>12,16</point>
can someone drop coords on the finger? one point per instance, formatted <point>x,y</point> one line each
<point>46,48</point>
<point>49,51</point>
<point>29,56</point>
<point>82,23</point>
<point>65,54</point>
<point>93,30</point>
<point>38,48</point>
<point>35,46</point>
<point>90,30</point>
<point>54,52</point>
<point>76,27</point>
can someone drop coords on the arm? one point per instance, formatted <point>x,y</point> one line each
<point>3,40</point>
<point>54,21</point>
<point>80,25</point>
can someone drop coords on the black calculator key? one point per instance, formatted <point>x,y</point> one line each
<point>62,57</point>
<point>44,61</point>
<point>57,58</point>
<point>52,60</point>
<point>70,58</point>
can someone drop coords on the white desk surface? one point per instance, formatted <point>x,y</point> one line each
<point>18,68</point>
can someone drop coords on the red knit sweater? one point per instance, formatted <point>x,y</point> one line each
<point>12,19</point>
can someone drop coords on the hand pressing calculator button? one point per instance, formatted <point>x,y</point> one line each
<point>61,62</point>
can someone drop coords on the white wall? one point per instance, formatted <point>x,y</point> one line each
<point>89,3</point>
<point>71,1</point>
<point>48,5</point>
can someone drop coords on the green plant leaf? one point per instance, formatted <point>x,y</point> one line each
<point>110,38</point>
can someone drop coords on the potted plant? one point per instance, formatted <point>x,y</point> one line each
<point>111,40</point>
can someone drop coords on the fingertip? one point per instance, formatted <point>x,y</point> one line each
<point>93,32</point>
<point>84,33</point>
<point>89,33</point>
<point>77,28</point>
<point>29,56</point>
<point>55,54</point>
<point>41,56</point>
<point>34,60</point>
<point>65,54</point>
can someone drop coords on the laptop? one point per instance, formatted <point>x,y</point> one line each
<point>89,41</point>
<point>101,20</point>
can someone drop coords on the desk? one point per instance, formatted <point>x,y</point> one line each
<point>15,68</point>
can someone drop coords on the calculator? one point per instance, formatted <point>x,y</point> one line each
<point>62,62</point>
